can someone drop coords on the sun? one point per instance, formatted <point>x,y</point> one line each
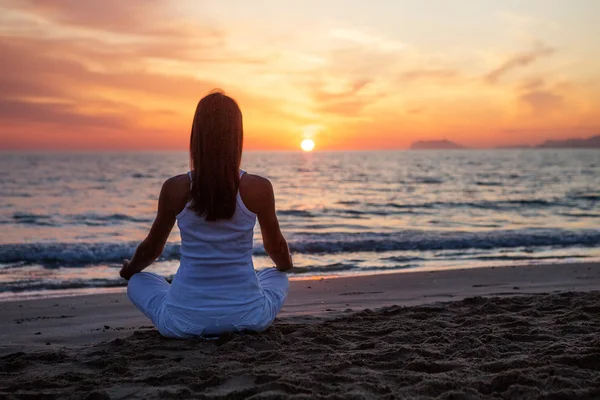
<point>307,145</point>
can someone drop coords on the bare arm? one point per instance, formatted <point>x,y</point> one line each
<point>260,199</point>
<point>275,244</point>
<point>152,247</point>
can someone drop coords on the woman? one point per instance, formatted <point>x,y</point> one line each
<point>215,289</point>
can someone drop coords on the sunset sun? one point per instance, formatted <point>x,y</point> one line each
<point>307,145</point>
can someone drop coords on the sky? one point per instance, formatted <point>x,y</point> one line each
<point>113,74</point>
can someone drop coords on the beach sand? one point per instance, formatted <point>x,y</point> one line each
<point>535,333</point>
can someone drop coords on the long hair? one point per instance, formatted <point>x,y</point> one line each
<point>215,156</point>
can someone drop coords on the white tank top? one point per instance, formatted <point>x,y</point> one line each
<point>216,274</point>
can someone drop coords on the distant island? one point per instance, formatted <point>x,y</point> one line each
<point>435,144</point>
<point>514,147</point>
<point>573,143</point>
<point>592,142</point>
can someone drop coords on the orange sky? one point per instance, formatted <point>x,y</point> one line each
<point>349,74</point>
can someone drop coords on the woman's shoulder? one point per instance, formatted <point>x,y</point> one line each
<point>178,184</point>
<point>255,182</point>
<point>256,191</point>
<point>176,191</point>
<point>178,180</point>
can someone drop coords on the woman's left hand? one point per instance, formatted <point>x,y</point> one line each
<point>125,274</point>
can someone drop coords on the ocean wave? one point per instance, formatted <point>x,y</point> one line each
<point>27,216</point>
<point>15,194</point>
<point>580,214</point>
<point>344,267</point>
<point>39,285</point>
<point>347,210</point>
<point>425,180</point>
<point>296,213</point>
<point>26,286</point>
<point>109,218</point>
<point>139,175</point>
<point>519,257</point>
<point>335,267</point>
<point>589,196</point>
<point>485,183</point>
<point>327,226</point>
<point>402,259</point>
<point>489,205</point>
<point>32,219</point>
<point>91,219</point>
<point>443,240</point>
<point>82,253</point>
<point>74,254</point>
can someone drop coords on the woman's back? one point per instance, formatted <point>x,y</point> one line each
<point>216,270</point>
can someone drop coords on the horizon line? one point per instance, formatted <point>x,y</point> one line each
<point>403,149</point>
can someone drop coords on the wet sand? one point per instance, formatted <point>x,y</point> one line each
<point>533,334</point>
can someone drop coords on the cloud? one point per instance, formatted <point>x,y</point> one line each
<point>416,110</point>
<point>72,87</point>
<point>57,113</point>
<point>418,74</point>
<point>125,59</point>
<point>59,68</point>
<point>349,108</point>
<point>532,84</point>
<point>365,39</point>
<point>16,87</point>
<point>146,29</point>
<point>49,82</point>
<point>141,17</point>
<point>542,101</point>
<point>352,91</point>
<point>344,102</point>
<point>543,97</point>
<point>518,61</point>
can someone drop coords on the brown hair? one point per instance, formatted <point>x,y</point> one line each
<point>215,156</point>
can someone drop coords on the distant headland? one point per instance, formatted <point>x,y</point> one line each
<point>591,142</point>
<point>435,144</point>
<point>573,143</point>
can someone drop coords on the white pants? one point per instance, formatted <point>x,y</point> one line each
<point>148,292</point>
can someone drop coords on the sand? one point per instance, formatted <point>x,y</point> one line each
<point>534,334</point>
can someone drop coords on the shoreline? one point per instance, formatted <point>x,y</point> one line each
<point>7,297</point>
<point>65,322</point>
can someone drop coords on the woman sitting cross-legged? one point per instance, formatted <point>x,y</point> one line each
<point>216,289</point>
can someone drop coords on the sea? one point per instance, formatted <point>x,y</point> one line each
<point>68,219</point>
